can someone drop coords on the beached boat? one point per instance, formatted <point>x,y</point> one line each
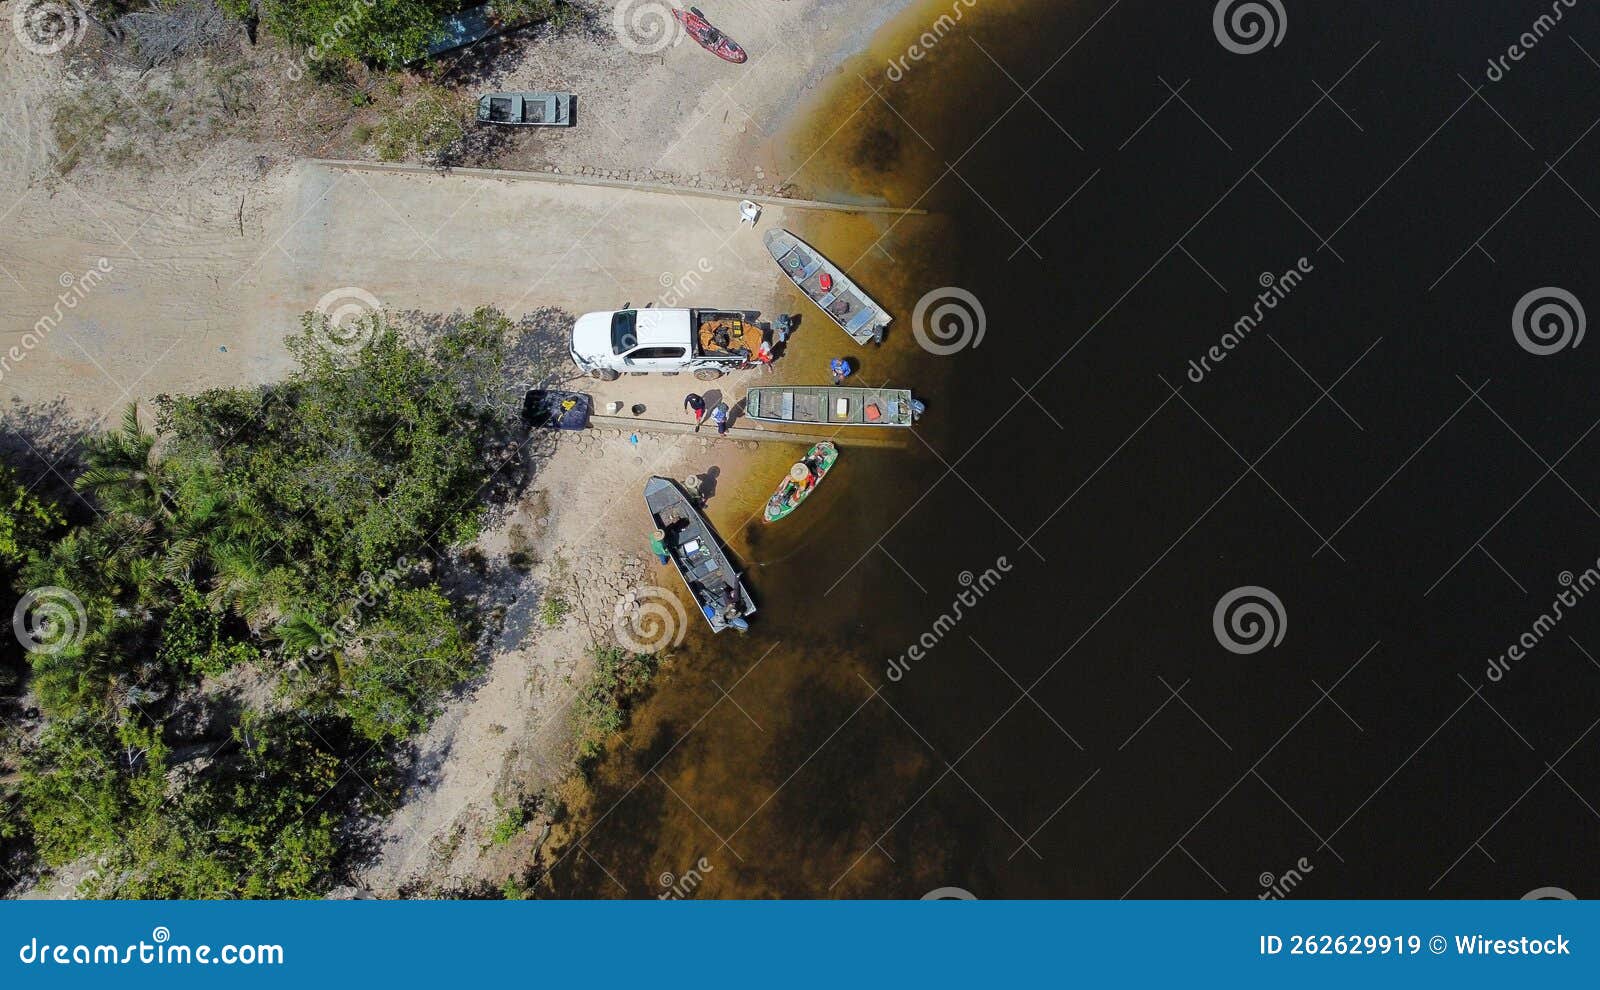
<point>698,556</point>
<point>831,405</point>
<point>802,480</point>
<point>526,109</point>
<point>699,27</point>
<point>830,288</point>
<point>467,27</point>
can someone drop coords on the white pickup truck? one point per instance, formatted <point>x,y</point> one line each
<point>707,342</point>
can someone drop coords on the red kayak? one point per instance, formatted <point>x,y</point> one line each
<point>712,40</point>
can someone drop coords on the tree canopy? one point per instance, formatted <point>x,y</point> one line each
<point>286,535</point>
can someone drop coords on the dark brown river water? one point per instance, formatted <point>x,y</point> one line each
<point>1082,728</point>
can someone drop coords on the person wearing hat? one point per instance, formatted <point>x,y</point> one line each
<point>840,369</point>
<point>659,547</point>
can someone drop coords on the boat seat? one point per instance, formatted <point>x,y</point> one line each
<point>860,321</point>
<point>703,570</point>
<point>786,406</point>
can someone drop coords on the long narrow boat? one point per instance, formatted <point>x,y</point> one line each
<point>830,405</point>
<point>698,556</point>
<point>802,480</point>
<point>830,288</point>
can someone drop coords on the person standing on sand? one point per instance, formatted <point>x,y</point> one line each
<point>840,369</point>
<point>658,547</point>
<point>719,416</point>
<point>696,405</point>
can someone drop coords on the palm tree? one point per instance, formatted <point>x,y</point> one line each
<point>302,636</point>
<point>123,473</point>
<point>240,570</point>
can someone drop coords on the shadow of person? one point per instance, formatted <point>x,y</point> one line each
<point>712,397</point>
<point>708,482</point>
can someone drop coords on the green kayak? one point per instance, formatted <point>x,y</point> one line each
<point>803,479</point>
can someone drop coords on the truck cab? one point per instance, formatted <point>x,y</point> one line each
<point>663,341</point>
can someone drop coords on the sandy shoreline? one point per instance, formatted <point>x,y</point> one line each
<point>210,258</point>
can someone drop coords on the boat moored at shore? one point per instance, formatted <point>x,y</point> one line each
<point>832,405</point>
<point>698,556</point>
<point>825,284</point>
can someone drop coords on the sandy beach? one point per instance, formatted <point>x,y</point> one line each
<point>119,284</point>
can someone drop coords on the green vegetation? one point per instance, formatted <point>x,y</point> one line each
<point>434,120</point>
<point>600,709</point>
<point>514,890</point>
<point>553,610</point>
<point>286,535</point>
<point>26,519</point>
<point>556,12</point>
<point>81,123</point>
<point>510,823</point>
<point>379,32</point>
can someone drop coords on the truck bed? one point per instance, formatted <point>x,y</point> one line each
<point>727,334</point>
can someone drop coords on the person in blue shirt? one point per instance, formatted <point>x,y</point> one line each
<point>840,369</point>
<point>719,416</point>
